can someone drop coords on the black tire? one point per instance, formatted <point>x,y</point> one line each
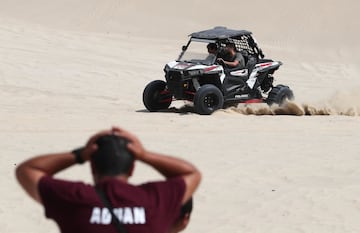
<point>279,94</point>
<point>156,96</point>
<point>208,99</point>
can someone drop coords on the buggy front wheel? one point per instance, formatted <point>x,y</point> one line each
<point>156,96</point>
<point>208,99</point>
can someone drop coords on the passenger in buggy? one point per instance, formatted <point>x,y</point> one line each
<point>212,49</point>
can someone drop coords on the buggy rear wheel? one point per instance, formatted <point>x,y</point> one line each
<point>156,96</point>
<point>208,99</point>
<point>279,94</point>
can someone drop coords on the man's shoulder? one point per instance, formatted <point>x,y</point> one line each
<point>63,189</point>
<point>240,54</point>
<point>49,180</point>
<point>167,187</point>
<point>176,181</point>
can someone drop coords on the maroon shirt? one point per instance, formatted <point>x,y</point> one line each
<point>147,208</point>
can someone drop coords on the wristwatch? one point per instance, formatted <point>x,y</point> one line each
<point>77,154</point>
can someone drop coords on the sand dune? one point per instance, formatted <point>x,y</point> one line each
<point>70,68</point>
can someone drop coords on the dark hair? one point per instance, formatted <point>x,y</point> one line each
<point>112,156</point>
<point>186,208</point>
<point>212,46</point>
<point>231,45</point>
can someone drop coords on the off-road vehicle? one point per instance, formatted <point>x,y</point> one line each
<point>200,78</point>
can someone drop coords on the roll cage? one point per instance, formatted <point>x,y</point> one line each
<point>242,39</point>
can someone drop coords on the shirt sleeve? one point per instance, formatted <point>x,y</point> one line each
<point>241,60</point>
<point>167,197</point>
<point>56,195</point>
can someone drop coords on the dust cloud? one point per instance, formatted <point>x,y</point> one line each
<point>344,103</point>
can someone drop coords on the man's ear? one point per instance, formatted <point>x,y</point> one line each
<point>184,222</point>
<point>186,218</point>
<point>180,224</point>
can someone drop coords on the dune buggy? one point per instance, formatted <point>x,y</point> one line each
<point>196,75</point>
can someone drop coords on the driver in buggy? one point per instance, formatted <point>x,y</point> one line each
<point>232,59</point>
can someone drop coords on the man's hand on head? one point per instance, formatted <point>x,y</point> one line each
<point>91,145</point>
<point>134,144</point>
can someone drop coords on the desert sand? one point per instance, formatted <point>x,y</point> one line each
<point>71,68</point>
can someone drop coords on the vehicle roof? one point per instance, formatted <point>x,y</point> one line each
<point>219,33</point>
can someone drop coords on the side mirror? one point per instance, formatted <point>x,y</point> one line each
<point>183,47</point>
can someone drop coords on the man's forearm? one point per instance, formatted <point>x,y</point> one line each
<point>31,171</point>
<point>172,167</point>
<point>51,163</point>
